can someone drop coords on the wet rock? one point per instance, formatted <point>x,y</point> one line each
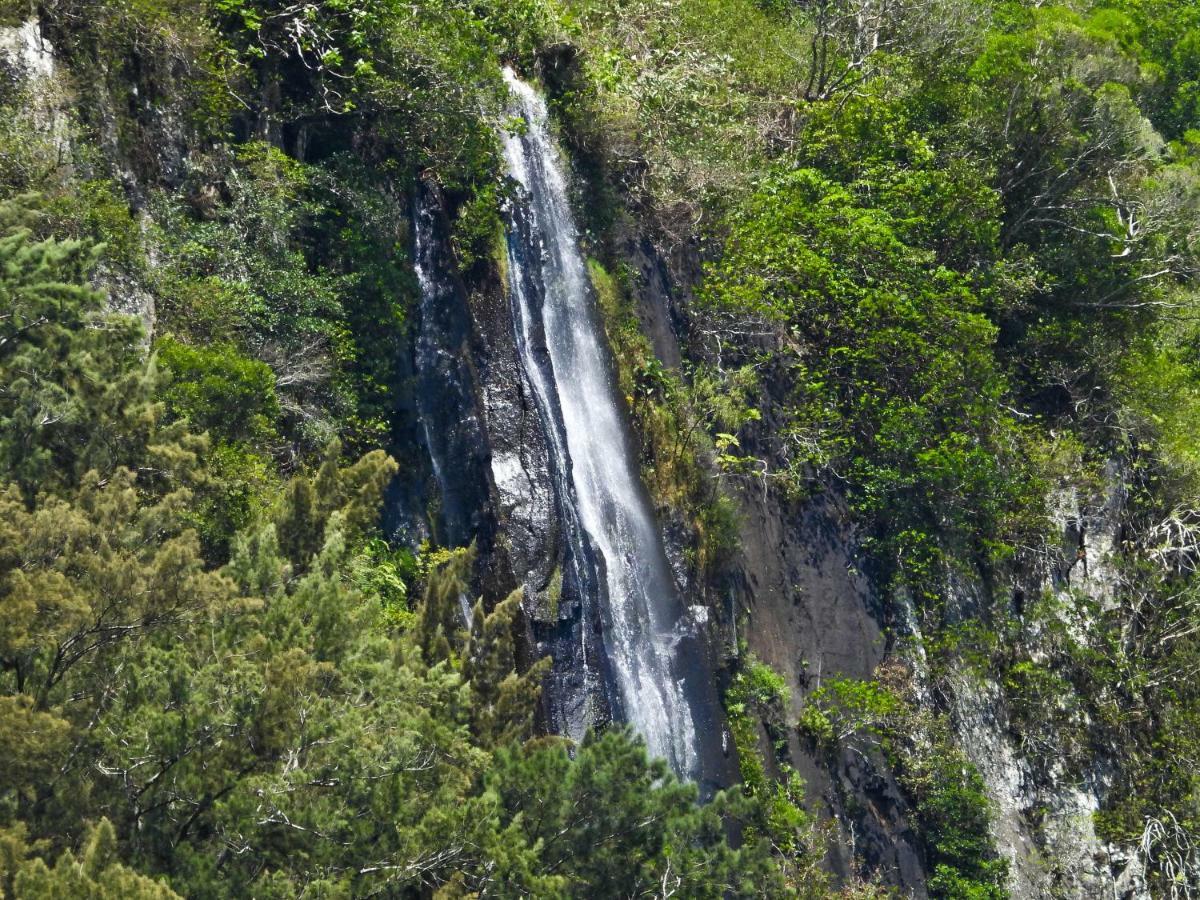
<point>448,403</point>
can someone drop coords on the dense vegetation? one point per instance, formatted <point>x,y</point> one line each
<point>943,256</point>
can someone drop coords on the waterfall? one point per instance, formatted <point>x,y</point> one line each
<point>445,398</point>
<point>652,654</point>
<point>432,362</point>
<point>429,353</point>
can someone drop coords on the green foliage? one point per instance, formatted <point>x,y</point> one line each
<point>30,156</point>
<point>478,229</point>
<point>1159,387</point>
<point>386,572</point>
<point>588,820</point>
<point>890,376</point>
<point>759,684</point>
<point>219,391</point>
<point>442,627</point>
<point>239,485</point>
<point>1016,193</point>
<point>96,872</point>
<point>503,702</point>
<point>678,104</point>
<point>1073,151</point>
<point>45,344</point>
<point>757,701</point>
<point>12,13</point>
<point>258,294</point>
<point>952,811</point>
<point>1040,702</point>
<point>756,696</point>
<point>953,814</point>
<point>845,710</point>
<point>293,266</point>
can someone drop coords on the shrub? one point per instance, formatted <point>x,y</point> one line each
<point>219,390</point>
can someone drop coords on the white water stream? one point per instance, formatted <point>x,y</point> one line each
<point>565,356</point>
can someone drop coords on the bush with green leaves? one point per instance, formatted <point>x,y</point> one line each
<point>219,391</point>
<point>885,367</point>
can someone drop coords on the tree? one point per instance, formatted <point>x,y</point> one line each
<point>884,363</point>
<point>96,873</point>
<point>76,395</point>
<point>444,607</point>
<point>220,391</point>
<point>503,702</point>
<point>308,501</point>
<point>612,823</point>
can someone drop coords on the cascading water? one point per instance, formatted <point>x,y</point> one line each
<point>445,403</point>
<point>440,379</point>
<point>663,688</point>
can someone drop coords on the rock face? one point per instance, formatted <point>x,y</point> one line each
<point>446,388</point>
<point>494,473</point>
<point>1063,857</point>
<point>812,614</point>
<point>29,69</point>
<point>1043,811</point>
<point>26,50</point>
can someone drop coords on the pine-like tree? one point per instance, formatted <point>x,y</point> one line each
<point>78,394</point>
<point>440,631</point>
<point>502,702</point>
<point>96,873</point>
